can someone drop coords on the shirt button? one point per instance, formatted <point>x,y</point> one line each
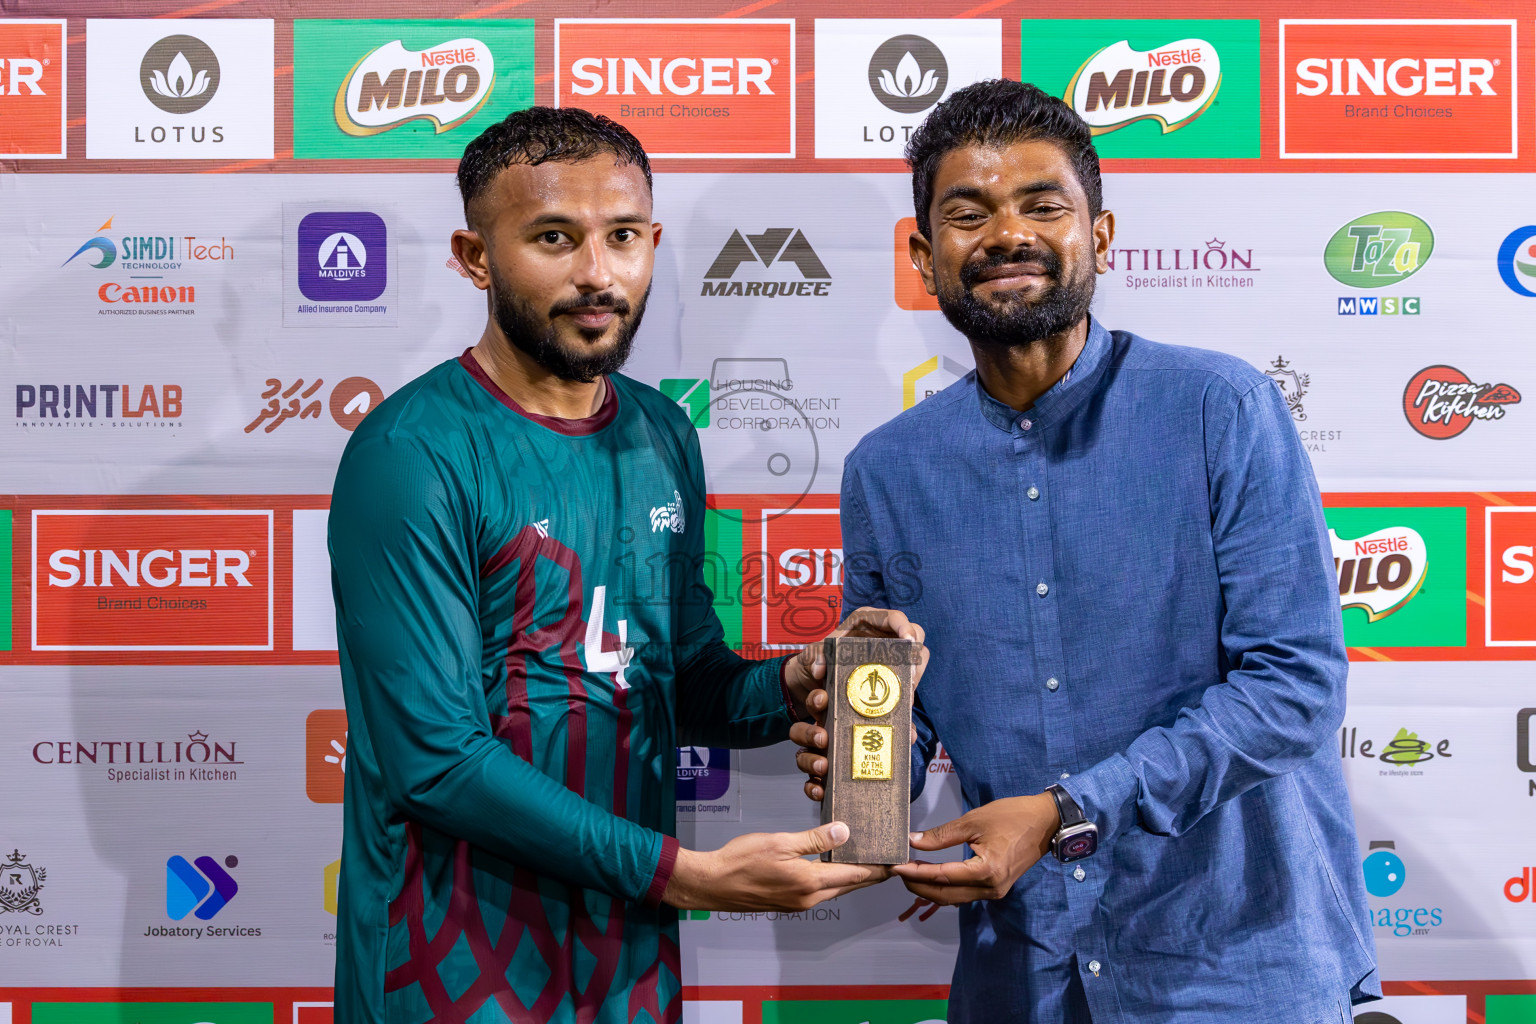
<point>1034,493</point>
<point>1042,589</point>
<point>1051,684</point>
<point>1025,424</point>
<point>1094,965</point>
<point>1079,874</point>
<point>1066,775</point>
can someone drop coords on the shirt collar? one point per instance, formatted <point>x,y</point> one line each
<point>1063,396</point>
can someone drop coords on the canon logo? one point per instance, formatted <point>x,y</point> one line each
<point>1407,76</point>
<point>191,567</point>
<point>20,71</point>
<point>682,76</point>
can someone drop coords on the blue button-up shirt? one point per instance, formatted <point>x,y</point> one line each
<point>1128,590</point>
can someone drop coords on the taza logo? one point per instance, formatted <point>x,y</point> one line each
<point>1120,85</point>
<point>908,73</point>
<point>179,74</point>
<point>20,883</point>
<point>1379,249</point>
<point>1380,572</point>
<point>1441,402</point>
<point>393,84</point>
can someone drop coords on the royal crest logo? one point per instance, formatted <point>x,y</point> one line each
<point>19,885</point>
<point>668,516</point>
<point>1293,386</point>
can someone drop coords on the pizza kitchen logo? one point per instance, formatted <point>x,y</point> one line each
<point>1441,402</point>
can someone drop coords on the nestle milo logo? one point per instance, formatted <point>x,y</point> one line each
<point>1120,85</point>
<point>1379,249</point>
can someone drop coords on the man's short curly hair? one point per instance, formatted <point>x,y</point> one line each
<point>541,134</point>
<point>1000,112</point>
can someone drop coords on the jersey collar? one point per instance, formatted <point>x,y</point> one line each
<point>572,428</point>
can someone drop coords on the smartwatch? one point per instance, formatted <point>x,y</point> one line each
<point>1078,837</point>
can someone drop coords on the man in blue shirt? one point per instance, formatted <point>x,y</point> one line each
<point>1133,617</point>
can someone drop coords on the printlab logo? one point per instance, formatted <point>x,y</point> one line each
<point>908,74</point>
<point>1152,88</point>
<point>703,773</point>
<point>325,756</point>
<point>32,76</point>
<point>775,247</point>
<point>201,890</point>
<point>343,257</point>
<point>42,406</point>
<point>1293,385</point>
<point>20,882</point>
<point>1440,402</point>
<point>1401,575</point>
<point>179,74</point>
<point>405,88</point>
<point>1517,261</point>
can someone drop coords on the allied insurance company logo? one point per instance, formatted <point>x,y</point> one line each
<point>1191,85</point>
<point>1378,250</point>
<point>686,88</point>
<point>703,773</point>
<point>1385,876</point>
<point>1382,89</point>
<point>774,250</point>
<point>1440,402</point>
<point>33,73</point>
<point>152,580</point>
<point>201,888</point>
<point>343,256</point>
<point>144,270</point>
<point>406,88</point>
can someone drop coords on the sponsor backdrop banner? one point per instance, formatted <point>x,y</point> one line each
<point>225,236</point>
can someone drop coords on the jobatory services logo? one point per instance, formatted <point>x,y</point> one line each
<point>20,885</point>
<point>1517,261</point>
<point>1210,264</point>
<point>1401,575</point>
<point>198,758</point>
<point>152,580</point>
<point>686,88</point>
<point>179,89</point>
<point>407,88</point>
<point>1510,576</point>
<point>33,73</point>
<point>772,253</point>
<point>1380,89</point>
<point>1385,877</point>
<point>877,78</point>
<point>325,756</point>
<point>201,888</point>
<point>106,406</point>
<point>1440,402</point>
<point>1152,88</point>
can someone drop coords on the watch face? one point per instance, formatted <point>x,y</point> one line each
<point>1075,845</point>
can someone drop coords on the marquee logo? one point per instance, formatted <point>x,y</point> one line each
<point>32,87</point>
<point>1152,88</point>
<point>151,580</point>
<point>1510,576</point>
<point>775,246</point>
<point>1441,402</point>
<point>908,73</point>
<point>406,87</point>
<point>179,74</point>
<point>1120,85</point>
<point>1379,249</point>
<point>1380,572</point>
<point>1401,575</point>
<point>201,891</point>
<point>717,88</point>
<point>393,85</point>
<point>1378,89</point>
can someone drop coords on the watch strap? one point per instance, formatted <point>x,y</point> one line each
<point>1066,807</point>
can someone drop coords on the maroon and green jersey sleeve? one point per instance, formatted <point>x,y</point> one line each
<point>524,630</point>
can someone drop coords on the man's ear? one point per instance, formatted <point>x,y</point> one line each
<point>470,250</point>
<point>922,259</point>
<point>1103,238</point>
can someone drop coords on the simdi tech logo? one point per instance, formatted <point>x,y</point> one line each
<point>686,88</point>
<point>405,88</point>
<point>1152,88</point>
<point>179,89</point>
<point>1419,89</point>
<point>152,580</point>
<point>877,78</point>
<point>33,73</point>
<point>1402,575</point>
<point>145,266</point>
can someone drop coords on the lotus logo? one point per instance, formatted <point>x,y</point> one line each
<point>1120,85</point>
<point>179,74</point>
<point>908,74</point>
<point>391,85</point>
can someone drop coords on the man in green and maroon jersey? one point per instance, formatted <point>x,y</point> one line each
<point>515,694</point>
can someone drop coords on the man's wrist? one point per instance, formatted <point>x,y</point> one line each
<point>794,700</point>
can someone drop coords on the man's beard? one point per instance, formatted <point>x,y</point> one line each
<point>537,337</point>
<point>1017,323</point>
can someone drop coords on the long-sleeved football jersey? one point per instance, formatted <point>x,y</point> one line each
<point>525,637</point>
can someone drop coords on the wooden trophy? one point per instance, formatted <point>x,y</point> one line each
<point>868,783</point>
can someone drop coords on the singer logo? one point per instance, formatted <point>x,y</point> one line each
<point>685,88</point>
<point>803,588</point>
<point>31,88</point>
<point>1382,89</point>
<point>1511,576</point>
<point>151,580</point>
